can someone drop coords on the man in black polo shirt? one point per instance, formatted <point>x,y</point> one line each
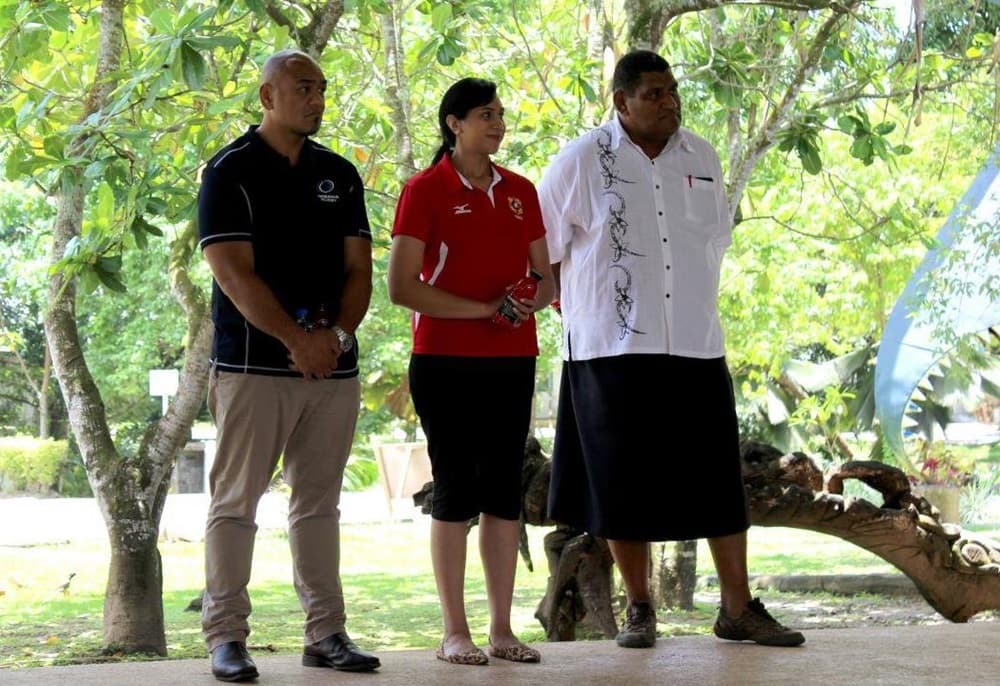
<point>284,230</point>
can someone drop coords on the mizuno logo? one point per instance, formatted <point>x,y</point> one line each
<point>463,209</point>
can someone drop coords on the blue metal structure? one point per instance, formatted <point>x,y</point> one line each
<point>909,347</point>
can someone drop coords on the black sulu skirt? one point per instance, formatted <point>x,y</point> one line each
<point>647,449</point>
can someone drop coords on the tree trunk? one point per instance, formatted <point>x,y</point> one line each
<point>579,585</point>
<point>396,93</point>
<point>44,420</point>
<point>646,20</point>
<point>677,575</point>
<point>129,496</point>
<point>133,607</point>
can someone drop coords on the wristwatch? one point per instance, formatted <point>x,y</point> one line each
<point>346,339</point>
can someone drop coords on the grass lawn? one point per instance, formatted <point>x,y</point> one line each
<point>388,584</point>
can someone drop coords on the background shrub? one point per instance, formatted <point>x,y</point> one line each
<point>30,464</point>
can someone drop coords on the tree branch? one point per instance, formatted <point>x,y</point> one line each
<point>674,8</point>
<point>313,38</point>
<point>765,138</point>
<point>531,60</point>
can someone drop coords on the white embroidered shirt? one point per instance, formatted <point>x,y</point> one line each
<point>640,244</point>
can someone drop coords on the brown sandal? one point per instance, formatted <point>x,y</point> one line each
<point>468,657</point>
<point>516,653</point>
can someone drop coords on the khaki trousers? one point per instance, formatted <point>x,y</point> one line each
<point>259,418</point>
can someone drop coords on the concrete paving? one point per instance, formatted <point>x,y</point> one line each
<point>940,655</point>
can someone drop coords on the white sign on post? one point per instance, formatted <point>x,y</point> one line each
<point>163,383</point>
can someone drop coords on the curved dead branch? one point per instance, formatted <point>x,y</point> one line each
<point>957,572</point>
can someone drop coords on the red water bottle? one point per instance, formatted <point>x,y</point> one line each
<point>526,287</point>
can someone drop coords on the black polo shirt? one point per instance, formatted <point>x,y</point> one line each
<point>297,218</point>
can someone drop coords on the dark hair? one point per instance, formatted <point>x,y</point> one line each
<point>629,70</point>
<point>463,95</point>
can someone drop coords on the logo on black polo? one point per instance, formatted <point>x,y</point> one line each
<point>324,191</point>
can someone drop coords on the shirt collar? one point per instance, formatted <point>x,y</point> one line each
<point>262,148</point>
<point>618,134</point>
<point>456,181</point>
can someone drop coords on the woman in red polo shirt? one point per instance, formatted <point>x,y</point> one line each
<point>465,231</point>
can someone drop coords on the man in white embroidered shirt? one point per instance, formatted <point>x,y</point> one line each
<point>637,224</point>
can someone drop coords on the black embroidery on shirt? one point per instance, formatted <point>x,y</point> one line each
<point>624,302</point>
<point>606,158</point>
<point>617,233</point>
<point>618,228</point>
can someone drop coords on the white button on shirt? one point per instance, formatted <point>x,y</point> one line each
<point>640,244</point>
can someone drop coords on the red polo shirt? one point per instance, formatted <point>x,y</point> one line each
<point>473,248</point>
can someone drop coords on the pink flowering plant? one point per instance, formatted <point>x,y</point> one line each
<point>940,466</point>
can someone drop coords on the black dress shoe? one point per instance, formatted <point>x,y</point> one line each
<point>339,652</point>
<point>232,662</point>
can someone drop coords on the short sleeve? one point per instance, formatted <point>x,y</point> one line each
<point>224,209</point>
<point>356,224</point>
<point>413,213</point>
<point>559,195</point>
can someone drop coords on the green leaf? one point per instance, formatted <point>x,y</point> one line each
<point>139,235</point>
<point>440,16</point>
<point>193,66</point>
<point>446,54</point>
<point>53,147</point>
<point>885,127</point>
<point>162,20</point>
<point>56,16</point>
<point>588,90</point>
<point>110,280</point>
<point>88,281</point>
<point>95,169</point>
<point>862,149</point>
<point>810,158</point>
<point>848,124</point>
<point>12,165</point>
<point>902,149</point>
<point>140,224</point>
<point>983,38</point>
<point>881,148</point>
<point>112,265</point>
<point>234,102</point>
<point>31,39</point>
<point>105,210</point>
<point>157,206</point>
<point>727,94</point>
<point>72,248</point>
<point>200,19</point>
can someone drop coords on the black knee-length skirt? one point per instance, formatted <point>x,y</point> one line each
<point>647,449</point>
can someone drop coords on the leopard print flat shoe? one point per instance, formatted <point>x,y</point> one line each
<point>516,653</point>
<point>467,657</point>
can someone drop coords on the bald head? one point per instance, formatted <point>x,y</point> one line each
<point>278,63</point>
